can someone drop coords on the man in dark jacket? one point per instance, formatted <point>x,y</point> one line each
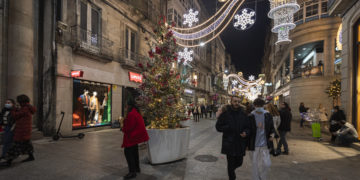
<point>261,136</point>
<point>235,126</point>
<point>285,126</point>
<point>335,120</point>
<point>302,110</point>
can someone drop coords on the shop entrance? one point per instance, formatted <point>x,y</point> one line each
<point>356,102</point>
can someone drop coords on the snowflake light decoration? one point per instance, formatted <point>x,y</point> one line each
<point>234,82</point>
<point>244,20</point>
<point>186,55</point>
<point>240,86</point>
<point>251,78</point>
<point>191,17</point>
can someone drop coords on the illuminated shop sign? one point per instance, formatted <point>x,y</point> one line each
<point>135,77</point>
<point>77,74</point>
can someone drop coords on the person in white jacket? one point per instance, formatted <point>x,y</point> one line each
<point>347,134</point>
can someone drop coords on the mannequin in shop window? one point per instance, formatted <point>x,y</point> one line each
<point>94,109</point>
<point>85,101</point>
<point>103,109</point>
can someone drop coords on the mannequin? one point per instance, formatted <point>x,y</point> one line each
<point>94,108</point>
<point>85,101</point>
<point>103,113</point>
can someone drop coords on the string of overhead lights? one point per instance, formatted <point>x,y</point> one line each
<point>209,33</point>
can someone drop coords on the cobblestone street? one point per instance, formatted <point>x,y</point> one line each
<point>100,156</point>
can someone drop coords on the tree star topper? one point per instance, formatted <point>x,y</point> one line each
<point>251,78</point>
<point>186,55</point>
<point>191,17</point>
<point>245,20</point>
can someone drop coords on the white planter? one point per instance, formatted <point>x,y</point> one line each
<point>167,145</point>
<point>186,123</point>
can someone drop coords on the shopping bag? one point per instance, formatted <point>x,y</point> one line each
<point>316,130</point>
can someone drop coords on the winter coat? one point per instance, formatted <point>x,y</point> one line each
<point>134,129</point>
<point>303,109</point>
<point>23,121</point>
<point>269,130</point>
<point>335,118</point>
<point>285,116</point>
<point>9,118</point>
<point>232,123</point>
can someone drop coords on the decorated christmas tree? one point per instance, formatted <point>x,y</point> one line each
<point>334,91</point>
<point>161,89</point>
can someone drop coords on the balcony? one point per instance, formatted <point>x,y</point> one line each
<point>91,44</point>
<point>339,6</point>
<point>130,60</point>
<point>308,72</point>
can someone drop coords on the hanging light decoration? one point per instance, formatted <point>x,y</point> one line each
<point>282,11</point>
<point>251,78</point>
<point>191,18</point>
<point>245,19</point>
<point>186,55</point>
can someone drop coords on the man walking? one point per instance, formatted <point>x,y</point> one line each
<point>235,126</point>
<point>262,134</point>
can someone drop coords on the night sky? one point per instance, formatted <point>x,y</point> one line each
<point>246,47</point>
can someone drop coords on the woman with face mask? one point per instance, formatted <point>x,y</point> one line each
<point>8,123</point>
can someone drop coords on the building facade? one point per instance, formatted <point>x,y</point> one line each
<point>348,11</point>
<point>302,70</point>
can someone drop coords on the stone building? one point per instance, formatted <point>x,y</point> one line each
<point>349,39</point>
<point>302,70</point>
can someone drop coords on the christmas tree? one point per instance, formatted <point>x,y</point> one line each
<point>161,89</point>
<point>334,90</point>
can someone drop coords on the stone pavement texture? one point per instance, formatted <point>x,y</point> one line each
<point>100,156</point>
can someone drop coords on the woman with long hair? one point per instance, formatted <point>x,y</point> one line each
<point>284,127</point>
<point>276,119</point>
<point>134,134</point>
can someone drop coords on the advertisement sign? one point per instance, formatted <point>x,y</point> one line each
<point>135,77</point>
<point>75,74</point>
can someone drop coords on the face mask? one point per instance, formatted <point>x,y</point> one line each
<point>8,106</point>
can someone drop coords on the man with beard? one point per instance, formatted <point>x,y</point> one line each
<point>235,126</point>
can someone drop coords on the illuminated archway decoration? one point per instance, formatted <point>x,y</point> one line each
<point>282,11</point>
<point>210,29</point>
<point>251,88</point>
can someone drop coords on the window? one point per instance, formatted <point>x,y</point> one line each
<point>324,7</point>
<point>59,10</point>
<point>312,9</point>
<point>130,42</point>
<point>300,14</point>
<point>90,31</point>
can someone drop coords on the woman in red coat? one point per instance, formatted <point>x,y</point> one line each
<point>22,133</point>
<point>134,134</point>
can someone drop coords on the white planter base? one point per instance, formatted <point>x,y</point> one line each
<point>167,145</point>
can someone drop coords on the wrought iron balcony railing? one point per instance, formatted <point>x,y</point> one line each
<point>91,44</point>
<point>130,59</point>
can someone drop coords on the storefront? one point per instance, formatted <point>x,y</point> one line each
<point>92,102</point>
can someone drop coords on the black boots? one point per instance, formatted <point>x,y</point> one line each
<point>30,158</point>
<point>130,175</point>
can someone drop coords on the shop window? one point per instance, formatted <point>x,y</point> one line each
<point>130,42</point>
<point>91,104</point>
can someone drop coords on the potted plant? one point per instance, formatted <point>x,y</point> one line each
<point>160,98</point>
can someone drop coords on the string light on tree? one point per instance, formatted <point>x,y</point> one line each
<point>191,18</point>
<point>186,55</point>
<point>244,20</point>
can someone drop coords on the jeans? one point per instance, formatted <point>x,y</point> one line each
<point>345,140</point>
<point>7,140</point>
<point>283,142</point>
<point>302,122</point>
<point>233,162</point>
<point>261,162</point>
<point>132,158</point>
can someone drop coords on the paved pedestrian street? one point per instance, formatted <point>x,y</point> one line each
<point>100,156</point>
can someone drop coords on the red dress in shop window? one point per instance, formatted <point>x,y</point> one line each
<point>134,129</point>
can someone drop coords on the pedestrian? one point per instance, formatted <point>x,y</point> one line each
<point>202,110</point>
<point>210,109</point>
<point>22,132</point>
<point>276,121</point>
<point>303,110</point>
<point>249,108</point>
<point>134,134</point>
<point>322,115</point>
<point>335,119</point>
<point>347,134</point>
<point>199,113</point>
<point>8,122</point>
<point>206,109</point>
<point>235,126</point>
<point>284,127</point>
<point>262,134</point>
